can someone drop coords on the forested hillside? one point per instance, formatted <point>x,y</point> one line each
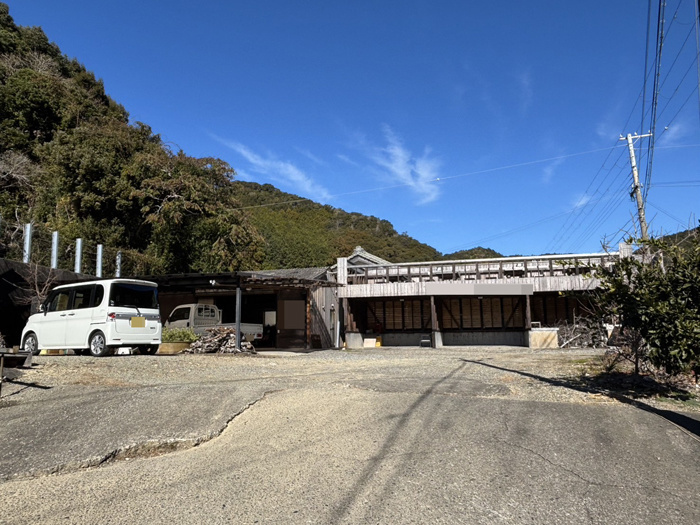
<point>299,232</point>
<point>71,161</point>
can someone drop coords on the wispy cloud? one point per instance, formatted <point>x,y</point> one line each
<point>348,160</point>
<point>313,158</point>
<point>605,131</point>
<point>282,172</point>
<point>550,169</point>
<point>419,174</point>
<point>671,135</point>
<point>581,201</point>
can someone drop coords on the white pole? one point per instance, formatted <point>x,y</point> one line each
<point>78,254</point>
<point>27,253</point>
<point>98,267</point>
<point>118,273</point>
<point>54,250</point>
<point>637,188</point>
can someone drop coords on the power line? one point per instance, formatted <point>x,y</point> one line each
<point>667,213</point>
<point>569,223</point>
<point>513,231</point>
<point>677,184</point>
<point>654,105</point>
<point>437,179</point>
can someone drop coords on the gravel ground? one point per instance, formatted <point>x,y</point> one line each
<point>512,372</point>
<point>522,373</point>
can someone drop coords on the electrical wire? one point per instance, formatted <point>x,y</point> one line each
<point>590,197</point>
<point>677,184</point>
<point>655,97</point>
<point>667,213</point>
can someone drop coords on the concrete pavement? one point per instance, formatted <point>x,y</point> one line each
<point>384,444</point>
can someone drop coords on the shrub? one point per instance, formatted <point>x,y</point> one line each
<point>178,335</point>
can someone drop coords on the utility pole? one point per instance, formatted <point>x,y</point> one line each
<point>637,188</point>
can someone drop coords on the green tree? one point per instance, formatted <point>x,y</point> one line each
<point>655,297</point>
<point>30,109</point>
<point>195,223</point>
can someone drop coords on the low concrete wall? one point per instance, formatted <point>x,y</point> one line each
<point>544,338</point>
<point>495,338</point>
<point>403,339</point>
<point>354,340</point>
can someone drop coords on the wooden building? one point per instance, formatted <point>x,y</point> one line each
<point>463,302</point>
<point>364,298</point>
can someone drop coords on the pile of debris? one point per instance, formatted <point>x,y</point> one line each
<point>584,332</point>
<point>219,339</point>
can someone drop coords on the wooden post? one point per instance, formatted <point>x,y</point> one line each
<point>239,295</point>
<point>308,319</point>
<point>528,313</point>
<point>434,325</point>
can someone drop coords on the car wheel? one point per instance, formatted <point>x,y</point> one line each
<point>98,345</point>
<point>148,350</point>
<point>31,344</point>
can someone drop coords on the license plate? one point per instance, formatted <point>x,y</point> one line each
<point>138,322</point>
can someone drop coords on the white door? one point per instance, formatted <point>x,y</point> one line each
<point>180,318</point>
<point>79,317</point>
<point>52,333</point>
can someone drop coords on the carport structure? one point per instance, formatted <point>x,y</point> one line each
<point>297,307</point>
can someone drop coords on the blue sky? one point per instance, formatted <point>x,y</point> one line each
<point>463,123</point>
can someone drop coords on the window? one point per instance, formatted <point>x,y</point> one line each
<point>59,302</point>
<point>99,295</point>
<point>133,295</point>
<point>81,297</point>
<point>206,311</point>
<point>180,314</point>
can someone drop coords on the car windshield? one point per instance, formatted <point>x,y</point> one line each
<point>133,295</point>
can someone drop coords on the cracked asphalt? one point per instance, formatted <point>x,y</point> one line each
<point>459,435</point>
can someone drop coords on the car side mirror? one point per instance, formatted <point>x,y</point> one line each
<point>42,308</point>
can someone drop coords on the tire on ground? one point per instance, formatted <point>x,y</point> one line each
<point>98,345</point>
<point>31,343</point>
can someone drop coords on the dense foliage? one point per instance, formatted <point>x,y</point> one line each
<point>655,297</point>
<point>302,233</point>
<point>71,161</point>
<point>474,253</point>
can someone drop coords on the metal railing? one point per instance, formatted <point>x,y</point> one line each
<point>483,269</point>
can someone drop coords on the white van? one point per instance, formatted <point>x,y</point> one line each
<point>98,316</point>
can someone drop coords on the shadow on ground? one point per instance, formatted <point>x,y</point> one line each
<point>621,387</point>
<point>12,377</point>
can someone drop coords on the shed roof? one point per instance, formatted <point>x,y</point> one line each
<point>360,256</point>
